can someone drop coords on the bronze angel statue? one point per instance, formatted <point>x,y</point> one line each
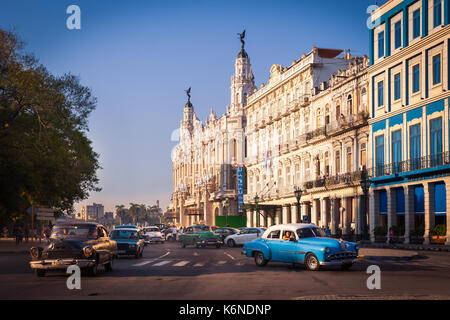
<point>188,92</point>
<point>242,36</point>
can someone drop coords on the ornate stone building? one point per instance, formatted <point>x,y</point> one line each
<point>205,161</point>
<point>307,129</point>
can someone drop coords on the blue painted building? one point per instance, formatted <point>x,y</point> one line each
<point>409,125</point>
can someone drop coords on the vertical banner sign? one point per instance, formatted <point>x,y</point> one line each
<point>240,178</point>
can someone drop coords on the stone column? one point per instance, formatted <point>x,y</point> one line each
<point>333,215</point>
<point>249,218</point>
<point>374,208</point>
<point>323,212</point>
<point>409,212</point>
<point>254,213</point>
<point>345,215</point>
<point>294,213</point>
<point>392,210</point>
<point>447,195</point>
<point>284,213</point>
<point>314,210</point>
<point>314,219</point>
<point>278,216</point>
<point>428,190</point>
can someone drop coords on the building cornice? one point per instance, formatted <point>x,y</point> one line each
<point>410,50</point>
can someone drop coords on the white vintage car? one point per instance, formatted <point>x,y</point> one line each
<point>244,236</point>
<point>153,234</point>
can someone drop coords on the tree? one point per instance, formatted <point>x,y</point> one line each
<point>46,158</point>
<point>120,212</point>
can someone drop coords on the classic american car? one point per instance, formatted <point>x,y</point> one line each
<point>200,236</point>
<point>301,244</point>
<point>129,242</point>
<point>153,234</point>
<point>243,236</point>
<point>85,244</point>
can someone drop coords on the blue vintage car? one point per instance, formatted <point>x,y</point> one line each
<point>129,242</point>
<point>303,244</point>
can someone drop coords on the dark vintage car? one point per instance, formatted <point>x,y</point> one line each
<point>129,242</point>
<point>85,244</point>
<point>225,232</point>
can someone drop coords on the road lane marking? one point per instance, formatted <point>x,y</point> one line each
<point>161,263</point>
<point>181,263</point>
<point>221,262</point>
<point>143,263</point>
<point>200,264</point>
<point>229,255</point>
<point>168,252</point>
<point>196,254</point>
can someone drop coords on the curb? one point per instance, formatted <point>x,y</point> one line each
<point>14,252</point>
<point>415,248</point>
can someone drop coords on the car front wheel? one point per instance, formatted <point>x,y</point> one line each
<point>346,266</point>
<point>312,263</point>
<point>40,272</point>
<point>109,265</point>
<point>259,259</point>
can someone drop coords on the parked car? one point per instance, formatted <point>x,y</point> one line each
<point>126,226</point>
<point>129,242</point>
<point>153,234</point>
<point>200,236</point>
<point>244,236</point>
<point>305,244</point>
<point>85,244</point>
<point>225,232</point>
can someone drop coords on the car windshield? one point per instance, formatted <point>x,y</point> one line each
<point>74,231</point>
<point>151,230</point>
<point>200,228</point>
<point>310,233</point>
<point>124,234</point>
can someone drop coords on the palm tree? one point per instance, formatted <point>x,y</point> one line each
<point>120,211</point>
<point>134,211</point>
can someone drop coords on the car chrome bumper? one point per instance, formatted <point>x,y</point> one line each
<point>338,262</point>
<point>60,263</point>
<point>209,242</point>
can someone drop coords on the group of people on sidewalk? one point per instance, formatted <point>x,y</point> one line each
<point>21,234</point>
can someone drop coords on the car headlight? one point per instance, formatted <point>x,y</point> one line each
<point>35,253</point>
<point>88,252</point>
<point>327,250</point>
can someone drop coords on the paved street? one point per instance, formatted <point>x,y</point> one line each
<point>169,272</point>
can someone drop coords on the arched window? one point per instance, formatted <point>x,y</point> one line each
<point>338,111</point>
<point>363,105</point>
<point>349,104</point>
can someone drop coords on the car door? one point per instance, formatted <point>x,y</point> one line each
<point>273,241</point>
<point>241,238</point>
<point>252,234</point>
<point>288,248</point>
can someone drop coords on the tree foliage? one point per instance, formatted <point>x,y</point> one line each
<point>45,156</point>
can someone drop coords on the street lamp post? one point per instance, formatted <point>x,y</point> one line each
<point>298,194</point>
<point>365,185</point>
<point>256,208</point>
<point>227,204</point>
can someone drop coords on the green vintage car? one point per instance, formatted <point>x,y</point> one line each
<point>200,236</point>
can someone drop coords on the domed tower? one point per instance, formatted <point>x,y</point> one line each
<point>242,82</point>
<point>188,113</point>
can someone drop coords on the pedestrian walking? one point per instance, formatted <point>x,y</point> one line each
<point>391,236</point>
<point>5,232</point>
<point>328,231</point>
<point>27,234</point>
<point>174,233</point>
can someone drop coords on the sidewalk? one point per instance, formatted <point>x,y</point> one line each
<point>401,246</point>
<point>387,254</point>
<point>8,245</point>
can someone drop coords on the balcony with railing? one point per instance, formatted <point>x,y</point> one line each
<point>348,178</point>
<point>412,166</point>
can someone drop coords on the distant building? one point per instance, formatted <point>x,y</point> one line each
<point>93,212</point>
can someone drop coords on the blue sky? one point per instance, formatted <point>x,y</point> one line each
<point>139,56</point>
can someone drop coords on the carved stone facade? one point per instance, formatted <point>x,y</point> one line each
<point>204,162</point>
<point>308,129</point>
